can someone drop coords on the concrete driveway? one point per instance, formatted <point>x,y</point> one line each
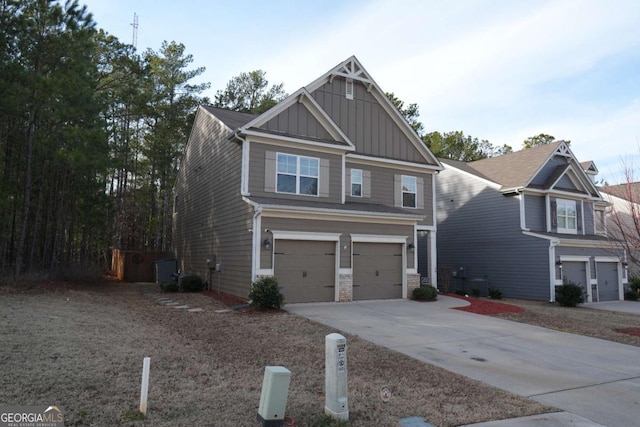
<point>595,379</point>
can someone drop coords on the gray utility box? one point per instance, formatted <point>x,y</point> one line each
<point>164,268</point>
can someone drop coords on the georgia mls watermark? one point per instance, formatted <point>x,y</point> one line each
<point>31,416</point>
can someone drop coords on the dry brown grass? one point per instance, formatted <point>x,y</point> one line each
<point>576,320</point>
<point>81,347</point>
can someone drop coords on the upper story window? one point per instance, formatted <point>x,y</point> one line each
<point>356,182</point>
<point>409,191</point>
<point>297,174</point>
<point>567,216</point>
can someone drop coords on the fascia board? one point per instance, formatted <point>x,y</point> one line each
<point>287,141</point>
<point>336,214</point>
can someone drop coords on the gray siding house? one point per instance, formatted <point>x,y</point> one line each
<point>523,223</point>
<point>331,191</point>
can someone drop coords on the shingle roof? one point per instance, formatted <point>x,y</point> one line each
<point>514,169</point>
<point>628,191</point>
<point>233,119</point>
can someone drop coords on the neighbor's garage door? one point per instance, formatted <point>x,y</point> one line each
<point>377,270</point>
<point>305,270</point>
<point>576,272</point>
<point>607,281</point>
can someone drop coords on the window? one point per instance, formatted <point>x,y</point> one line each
<point>356,182</point>
<point>567,218</point>
<point>297,175</point>
<point>409,191</point>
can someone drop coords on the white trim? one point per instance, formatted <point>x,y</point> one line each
<point>377,238</point>
<point>565,230</point>
<point>244,176</point>
<point>547,203</point>
<point>433,259</point>
<point>345,271</point>
<point>415,193</point>
<point>391,163</point>
<point>523,219</point>
<point>289,141</point>
<point>606,259</point>
<point>305,235</point>
<point>434,213</point>
<point>552,270</point>
<point>361,183</point>
<point>256,243</point>
<point>263,272</point>
<point>557,193</point>
<point>298,175</point>
<point>574,258</point>
<point>587,272</point>
<point>338,215</point>
<point>344,179</point>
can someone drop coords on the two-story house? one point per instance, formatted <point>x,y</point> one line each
<point>523,223</point>
<point>623,220</point>
<point>331,191</point>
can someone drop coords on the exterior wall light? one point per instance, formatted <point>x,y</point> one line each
<point>410,246</point>
<point>266,244</point>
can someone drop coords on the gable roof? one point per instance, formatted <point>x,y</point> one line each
<point>628,191</point>
<point>232,119</point>
<point>518,169</point>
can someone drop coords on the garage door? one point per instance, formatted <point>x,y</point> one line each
<point>377,270</point>
<point>576,272</point>
<point>305,270</point>
<point>607,281</point>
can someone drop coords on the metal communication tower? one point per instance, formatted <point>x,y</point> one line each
<point>134,40</point>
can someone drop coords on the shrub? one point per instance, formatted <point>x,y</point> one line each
<point>634,283</point>
<point>569,294</point>
<point>494,293</point>
<point>475,293</point>
<point>631,296</point>
<point>460,292</point>
<point>265,294</point>
<point>192,283</point>
<point>425,293</point>
<point>169,286</point>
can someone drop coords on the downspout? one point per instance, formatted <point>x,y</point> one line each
<point>552,269</point>
<point>255,247</point>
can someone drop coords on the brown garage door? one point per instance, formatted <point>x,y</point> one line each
<point>377,270</point>
<point>305,270</point>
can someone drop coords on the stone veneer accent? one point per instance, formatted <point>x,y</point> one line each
<point>413,282</point>
<point>345,287</point>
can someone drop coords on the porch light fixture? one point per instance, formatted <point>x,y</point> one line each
<point>266,244</point>
<point>559,264</point>
<point>410,246</point>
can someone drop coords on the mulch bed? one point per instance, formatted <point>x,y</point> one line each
<point>629,331</point>
<point>485,306</point>
<point>238,304</point>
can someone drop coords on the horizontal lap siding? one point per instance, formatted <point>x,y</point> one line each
<point>257,172</point>
<point>535,213</point>
<point>383,190</point>
<point>479,228</point>
<point>212,221</point>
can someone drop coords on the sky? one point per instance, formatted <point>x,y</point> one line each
<point>499,70</point>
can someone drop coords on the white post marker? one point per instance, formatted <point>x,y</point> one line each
<point>335,383</point>
<point>145,385</point>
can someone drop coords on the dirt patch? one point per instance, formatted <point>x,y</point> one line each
<point>630,331</point>
<point>82,347</point>
<point>484,306</point>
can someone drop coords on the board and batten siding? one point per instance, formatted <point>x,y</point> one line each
<point>384,190</point>
<point>262,180</point>
<point>479,229</point>
<point>297,120</point>
<point>211,221</point>
<point>328,226</point>
<point>365,122</point>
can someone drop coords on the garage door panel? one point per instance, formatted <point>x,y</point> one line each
<point>305,270</point>
<point>377,271</point>
<point>608,281</point>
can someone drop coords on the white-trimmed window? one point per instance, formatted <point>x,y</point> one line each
<point>409,191</point>
<point>567,216</point>
<point>297,174</point>
<point>356,182</point>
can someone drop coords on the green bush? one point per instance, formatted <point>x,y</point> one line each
<point>634,283</point>
<point>425,293</point>
<point>631,296</point>
<point>569,294</point>
<point>494,293</point>
<point>169,286</point>
<point>192,283</point>
<point>265,294</point>
<point>460,292</point>
<point>475,292</point>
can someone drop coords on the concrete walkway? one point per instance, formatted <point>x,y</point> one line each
<point>632,307</point>
<point>597,380</point>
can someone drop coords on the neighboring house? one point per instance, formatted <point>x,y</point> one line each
<point>524,222</point>
<point>623,219</point>
<point>331,191</point>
